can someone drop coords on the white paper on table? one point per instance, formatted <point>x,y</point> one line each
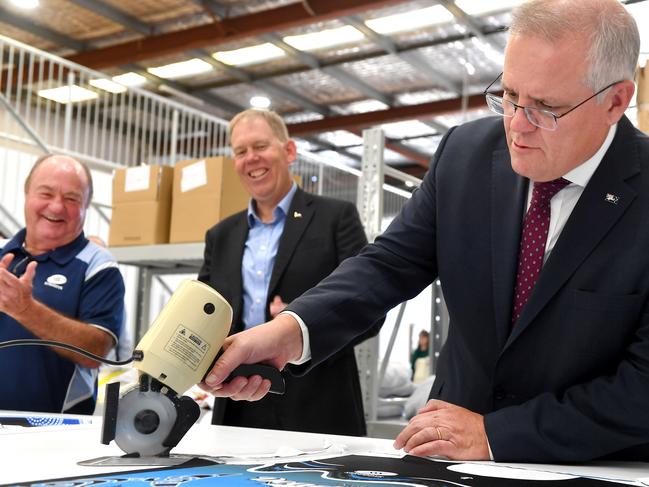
<point>193,176</point>
<point>499,471</point>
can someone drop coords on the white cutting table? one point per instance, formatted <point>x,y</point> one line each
<point>48,452</point>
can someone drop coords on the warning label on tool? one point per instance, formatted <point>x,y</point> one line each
<point>187,346</point>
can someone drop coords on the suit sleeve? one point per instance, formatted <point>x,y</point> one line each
<point>396,267</point>
<point>350,239</point>
<point>350,236</point>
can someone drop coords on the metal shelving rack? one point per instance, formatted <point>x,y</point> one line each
<point>153,261</point>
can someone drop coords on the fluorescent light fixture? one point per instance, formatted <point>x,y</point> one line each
<point>129,79</point>
<point>325,38</point>
<point>107,85</point>
<point>249,55</point>
<point>479,7</point>
<point>181,69</point>
<point>470,68</point>
<point>68,94</point>
<point>409,184</point>
<point>415,19</point>
<point>489,51</point>
<point>365,106</point>
<point>260,102</point>
<point>25,4</point>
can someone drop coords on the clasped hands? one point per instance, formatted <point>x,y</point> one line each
<point>15,292</point>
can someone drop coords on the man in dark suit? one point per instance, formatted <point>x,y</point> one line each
<point>541,364</point>
<point>285,243</point>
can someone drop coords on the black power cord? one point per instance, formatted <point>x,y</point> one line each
<point>137,354</point>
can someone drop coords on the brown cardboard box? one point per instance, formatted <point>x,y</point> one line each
<point>205,191</point>
<point>142,183</point>
<point>643,86</point>
<point>139,223</point>
<point>141,205</point>
<point>643,121</point>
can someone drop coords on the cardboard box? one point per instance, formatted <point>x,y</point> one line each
<point>141,205</point>
<point>139,223</point>
<point>643,86</point>
<point>643,121</point>
<point>142,183</point>
<point>205,191</point>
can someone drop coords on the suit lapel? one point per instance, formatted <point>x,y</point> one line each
<point>507,206</point>
<point>297,220</point>
<point>593,216</point>
<point>232,267</point>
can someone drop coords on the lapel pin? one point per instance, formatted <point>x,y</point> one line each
<point>297,214</point>
<point>611,198</point>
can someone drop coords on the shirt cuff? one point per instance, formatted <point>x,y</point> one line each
<point>306,345</point>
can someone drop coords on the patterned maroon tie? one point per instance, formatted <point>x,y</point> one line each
<point>533,239</point>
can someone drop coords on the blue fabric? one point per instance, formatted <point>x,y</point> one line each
<point>88,287</point>
<point>259,259</point>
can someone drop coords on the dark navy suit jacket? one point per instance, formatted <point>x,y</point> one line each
<point>319,233</point>
<point>571,381</point>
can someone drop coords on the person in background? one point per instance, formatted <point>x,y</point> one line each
<point>56,285</point>
<point>535,222</point>
<point>421,351</point>
<point>259,259</point>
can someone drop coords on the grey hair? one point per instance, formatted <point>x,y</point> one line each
<point>609,28</point>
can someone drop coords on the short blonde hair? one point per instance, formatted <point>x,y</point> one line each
<point>274,121</point>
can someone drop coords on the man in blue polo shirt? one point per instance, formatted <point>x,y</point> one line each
<point>56,285</point>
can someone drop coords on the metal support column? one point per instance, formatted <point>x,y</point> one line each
<point>439,325</point>
<point>370,208</point>
<point>143,302</point>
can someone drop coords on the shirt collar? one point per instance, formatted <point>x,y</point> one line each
<point>60,255</point>
<point>280,211</point>
<point>581,174</point>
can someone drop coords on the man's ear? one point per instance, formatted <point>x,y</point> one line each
<point>619,99</point>
<point>291,150</point>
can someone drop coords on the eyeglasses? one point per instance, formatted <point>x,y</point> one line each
<point>538,117</point>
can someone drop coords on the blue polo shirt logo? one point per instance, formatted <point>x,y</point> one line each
<point>56,281</point>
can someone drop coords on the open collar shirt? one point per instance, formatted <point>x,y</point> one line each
<point>259,258</point>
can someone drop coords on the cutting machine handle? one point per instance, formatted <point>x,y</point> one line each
<point>277,385</point>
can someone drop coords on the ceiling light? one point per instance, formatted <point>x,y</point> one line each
<point>260,102</point>
<point>68,94</point>
<point>107,85</point>
<point>415,19</point>
<point>470,68</point>
<point>409,184</point>
<point>181,69</point>
<point>473,7</point>
<point>489,51</point>
<point>249,55</point>
<point>26,4</point>
<point>129,79</point>
<point>325,38</point>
